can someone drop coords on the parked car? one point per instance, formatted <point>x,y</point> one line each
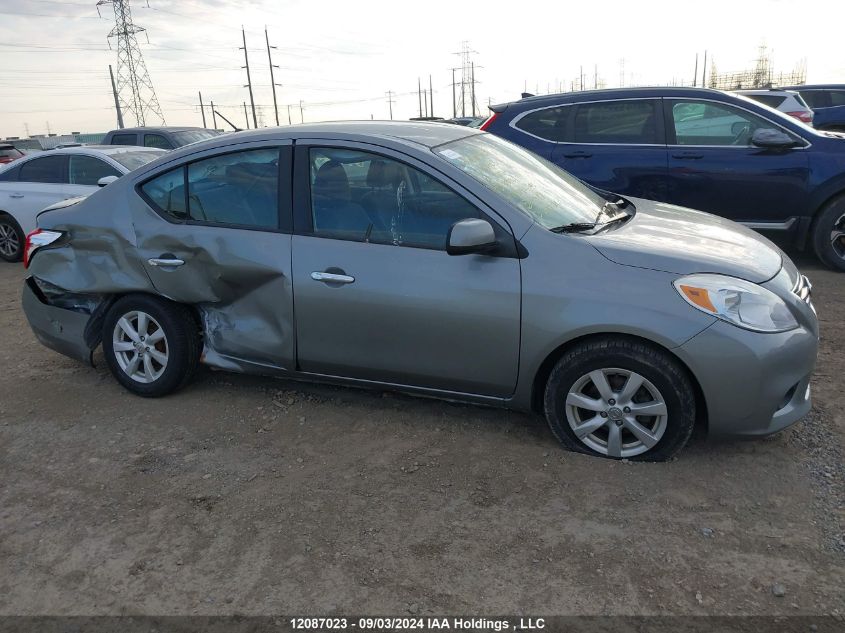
<point>469,121</point>
<point>8,153</point>
<point>788,101</point>
<point>828,104</point>
<point>697,148</point>
<point>158,137</point>
<point>39,180</point>
<point>434,259</point>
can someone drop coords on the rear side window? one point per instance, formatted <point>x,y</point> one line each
<point>124,139</point>
<point>773,101</point>
<point>87,170</point>
<point>49,169</point>
<point>815,98</point>
<point>837,97</point>
<point>241,188</point>
<point>157,140</point>
<point>549,123</point>
<point>622,122</point>
<point>167,193</point>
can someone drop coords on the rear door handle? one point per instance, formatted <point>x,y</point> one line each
<point>578,155</point>
<point>165,262</point>
<point>16,195</point>
<point>688,156</point>
<point>332,278</point>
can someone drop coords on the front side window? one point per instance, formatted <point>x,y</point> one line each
<point>371,198</point>
<point>157,140</point>
<point>624,122</point>
<point>241,188</point>
<point>167,193</point>
<point>709,123</point>
<point>49,169</point>
<point>549,123</point>
<point>87,170</point>
<point>543,191</point>
<point>124,139</point>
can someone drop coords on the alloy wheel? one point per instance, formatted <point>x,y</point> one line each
<point>616,412</point>
<point>140,346</point>
<point>9,242</point>
<point>837,237</point>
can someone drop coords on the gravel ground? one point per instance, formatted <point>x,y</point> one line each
<point>260,496</point>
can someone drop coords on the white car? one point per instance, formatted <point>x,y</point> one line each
<point>34,182</point>
<point>788,101</point>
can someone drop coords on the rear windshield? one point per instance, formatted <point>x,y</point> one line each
<point>538,188</point>
<point>192,136</point>
<point>133,160</point>
<point>773,101</point>
<point>10,152</point>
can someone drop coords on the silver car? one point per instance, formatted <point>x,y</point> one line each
<point>434,259</point>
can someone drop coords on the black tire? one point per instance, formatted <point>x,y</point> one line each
<point>182,344</point>
<point>831,217</point>
<point>8,223</point>
<point>660,369</point>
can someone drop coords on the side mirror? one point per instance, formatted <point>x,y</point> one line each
<point>106,180</point>
<point>770,138</point>
<point>470,236</point>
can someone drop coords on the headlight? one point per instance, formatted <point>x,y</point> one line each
<point>736,301</point>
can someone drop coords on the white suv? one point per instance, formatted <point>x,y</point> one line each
<point>788,101</point>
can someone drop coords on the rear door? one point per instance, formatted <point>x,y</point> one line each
<point>41,182</point>
<point>617,145</point>
<point>215,233</point>
<point>377,296</point>
<point>713,166</point>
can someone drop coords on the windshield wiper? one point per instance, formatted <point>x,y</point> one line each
<point>574,227</point>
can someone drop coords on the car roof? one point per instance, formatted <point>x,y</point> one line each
<point>816,87</point>
<point>161,128</point>
<point>765,91</point>
<point>101,149</point>
<point>610,93</point>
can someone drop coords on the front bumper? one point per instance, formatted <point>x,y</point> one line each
<point>68,332</point>
<point>753,384</point>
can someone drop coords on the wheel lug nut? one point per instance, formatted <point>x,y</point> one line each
<point>612,401</point>
<point>627,409</point>
<point>604,414</point>
<point>618,422</point>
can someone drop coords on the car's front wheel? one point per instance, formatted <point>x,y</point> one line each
<point>829,234</point>
<point>11,239</point>
<point>620,398</point>
<point>151,345</point>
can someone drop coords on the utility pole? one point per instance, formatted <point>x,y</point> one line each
<point>704,72</point>
<point>248,79</point>
<point>473,87</point>
<point>202,109</point>
<point>425,102</point>
<point>301,112</point>
<point>272,79</point>
<point>695,74</point>
<point>246,116</point>
<point>213,115</point>
<point>133,84</point>
<point>454,103</point>
<point>419,94</point>
<point>390,102</point>
<point>581,78</point>
<point>431,92</point>
<point>116,100</point>
<point>596,77</point>
<point>289,121</point>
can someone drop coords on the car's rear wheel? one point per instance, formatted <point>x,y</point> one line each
<point>829,234</point>
<point>151,345</point>
<point>11,239</point>
<point>621,399</point>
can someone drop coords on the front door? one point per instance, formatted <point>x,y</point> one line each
<point>713,166</point>
<point>377,297</point>
<point>222,243</point>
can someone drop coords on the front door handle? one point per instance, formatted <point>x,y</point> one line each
<point>688,156</point>
<point>16,195</point>
<point>165,262</point>
<point>332,278</point>
<point>578,155</point>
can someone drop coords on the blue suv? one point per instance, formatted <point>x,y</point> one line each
<point>697,148</point>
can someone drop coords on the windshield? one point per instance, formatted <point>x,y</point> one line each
<point>545,192</point>
<point>192,136</point>
<point>133,160</point>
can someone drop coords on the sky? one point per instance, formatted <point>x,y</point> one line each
<point>339,58</point>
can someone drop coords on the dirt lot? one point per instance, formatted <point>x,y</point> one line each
<point>258,496</point>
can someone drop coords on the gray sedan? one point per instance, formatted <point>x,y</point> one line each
<point>434,259</point>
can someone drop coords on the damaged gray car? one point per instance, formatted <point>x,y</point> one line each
<point>431,259</point>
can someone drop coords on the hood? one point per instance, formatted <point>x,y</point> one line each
<point>677,240</point>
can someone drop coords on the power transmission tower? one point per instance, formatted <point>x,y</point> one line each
<point>467,68</point>
<point>272,79</point>
<point>133,84</point>
<point>390,102</point>
<point>249,80</point>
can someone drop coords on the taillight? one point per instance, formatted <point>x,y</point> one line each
<point>487,123</point>
<point>5,159</point>
<point>35,240</point>
<point>801,115</point>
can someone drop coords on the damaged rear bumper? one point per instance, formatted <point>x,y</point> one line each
<point>70,327</point>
